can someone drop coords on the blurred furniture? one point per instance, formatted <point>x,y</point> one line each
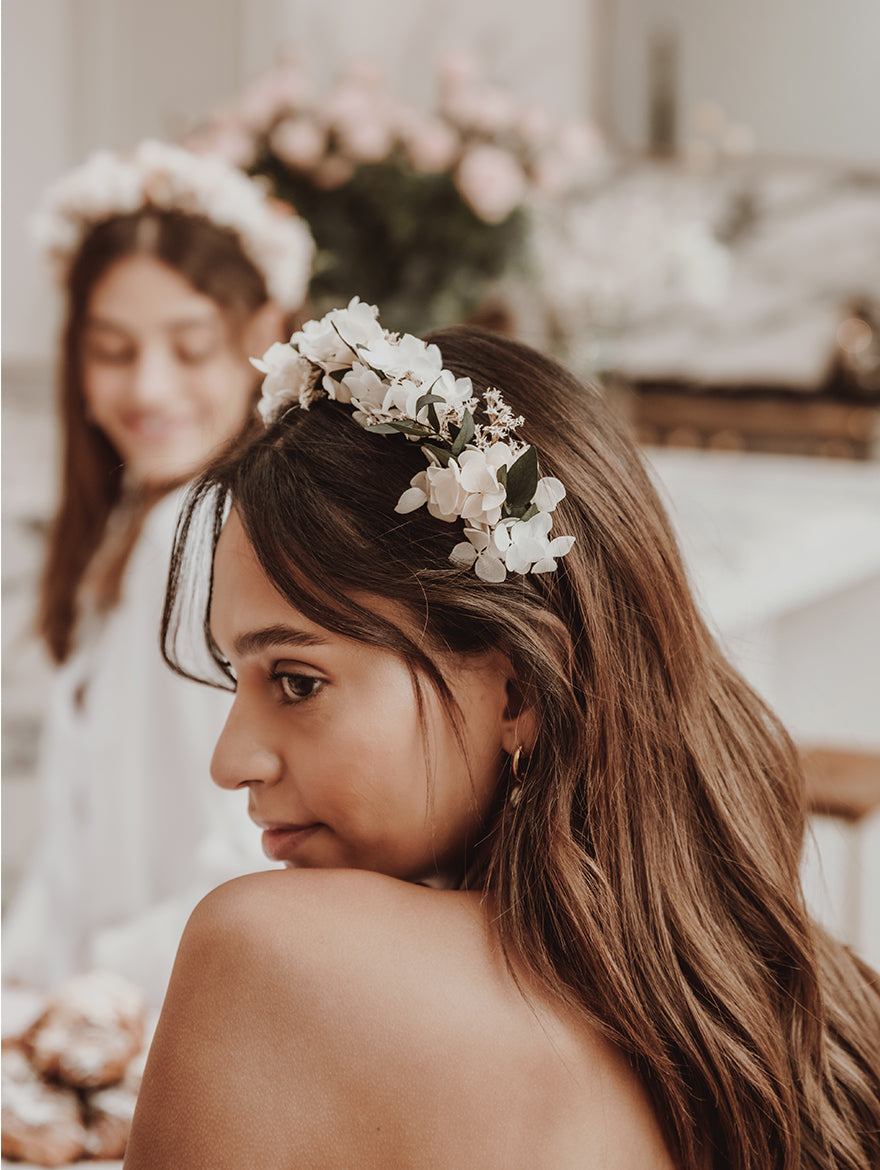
<point>842,783</point>
<point>679,416</point>
<point>736,301</point>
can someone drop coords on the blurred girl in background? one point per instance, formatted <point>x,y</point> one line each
<point>175,267</point>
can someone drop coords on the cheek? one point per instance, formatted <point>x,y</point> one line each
<point>102,388</point>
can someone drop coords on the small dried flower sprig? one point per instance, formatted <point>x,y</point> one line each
<point>477,472</point>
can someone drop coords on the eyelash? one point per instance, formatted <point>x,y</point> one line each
<point>127,357</point>
<point>284,676</point>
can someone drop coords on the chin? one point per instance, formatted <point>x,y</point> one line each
<point>157,472</point>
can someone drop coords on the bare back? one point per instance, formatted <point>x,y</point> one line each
<point>340,1019</point>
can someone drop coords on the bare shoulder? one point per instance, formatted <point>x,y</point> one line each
<point>352,1019</point>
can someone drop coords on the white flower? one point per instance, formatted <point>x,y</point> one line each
<point>289,378</point>
<point>330,342</point>
<point>479,478</point>
<point>446,496</point>
<point>365,388</point>
<point>455,392</point>
<point>481,551</point>
<point>174,179</point>
<point>405,357</point>
<point>531,549</point>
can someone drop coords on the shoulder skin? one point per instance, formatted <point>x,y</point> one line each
<point>340,1018</point>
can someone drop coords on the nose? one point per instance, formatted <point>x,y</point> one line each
<point>243,756</point>
<point>155,377</point>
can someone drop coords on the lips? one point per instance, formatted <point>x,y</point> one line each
<point>282,842</point>
<point>154,427</point>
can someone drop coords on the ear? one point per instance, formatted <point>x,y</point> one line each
<point>265,327</point>
<point>519,727</point>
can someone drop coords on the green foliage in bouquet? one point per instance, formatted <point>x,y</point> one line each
<point>400,239</point>
<point>417,213</point>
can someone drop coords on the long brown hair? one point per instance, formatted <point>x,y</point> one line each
<point>213,262</point>
<point>649,871</point>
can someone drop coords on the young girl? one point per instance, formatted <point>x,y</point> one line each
<point>541,905</point>
<point>175,266</point>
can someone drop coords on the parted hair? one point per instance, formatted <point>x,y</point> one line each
<point>649,871</point>
<point>91,483</point>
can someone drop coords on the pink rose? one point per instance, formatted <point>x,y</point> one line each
<point>365,138</point>
<point>299,142</point>
<point>491,182</point>
<point>432,146</point>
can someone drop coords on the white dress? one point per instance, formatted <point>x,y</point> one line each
<point>131,830</point>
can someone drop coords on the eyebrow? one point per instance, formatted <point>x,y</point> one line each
<point>176,325</point>
<point>254,641</point>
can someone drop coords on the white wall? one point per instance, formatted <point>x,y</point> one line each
<point>803,74</point>
<point>81,74</point>
<point>37,130</point>
<point>542,52</point>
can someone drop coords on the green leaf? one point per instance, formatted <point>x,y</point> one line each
<point>432,418</point>
<point>381,429</point>
<point>338,375</point>
<point>442,454</point>
<point>531,510</point>
<point>408,428</point>
<point>426,399</point>
<point>522,482</point>
<point>465,434</point>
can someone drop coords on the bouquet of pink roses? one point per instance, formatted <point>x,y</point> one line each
<point>417,212</point>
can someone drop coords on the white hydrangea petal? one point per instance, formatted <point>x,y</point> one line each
<point>490,569</point>
<point>463,555</point>
<point>545,565</point>
<point>549,493</point>
<point>501,538</point>
<point>411,499</point>
<point>516,560</point>
<point>561,545</point>
<point>480,540</point>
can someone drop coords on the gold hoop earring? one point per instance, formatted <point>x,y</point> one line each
<point>515,762</point>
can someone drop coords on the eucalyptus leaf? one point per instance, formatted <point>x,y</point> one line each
<point>408,428</point>
<point>381,429</point>
<point>441,453</point>
<point>465,434</point>
<point>426,399</point>
<point>432,418</point>
<point>522,482</point>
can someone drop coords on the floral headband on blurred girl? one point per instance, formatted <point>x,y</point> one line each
<point>477,472</point>
<point>169,178</point>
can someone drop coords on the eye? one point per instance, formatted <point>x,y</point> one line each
<point>296,688</point>
<point>105,356</point>
<point>194,356</point>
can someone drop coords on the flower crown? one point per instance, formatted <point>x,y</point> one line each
<point>170,178</point>
<point>477,472</point>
